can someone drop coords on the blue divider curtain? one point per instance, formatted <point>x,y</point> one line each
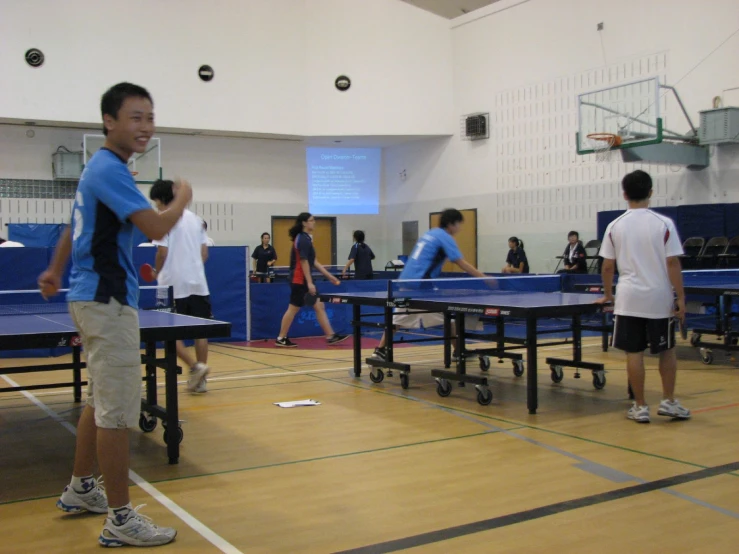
<point>41,235</point>
<point>697,220</point>
<point>226,272</point>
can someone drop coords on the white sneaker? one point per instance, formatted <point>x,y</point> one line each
<point>94,500</point>
<point>673,409</point>
<point>202,386</point>
<point>138,530</point>
<point>198,372</point>
<point>640,414</point>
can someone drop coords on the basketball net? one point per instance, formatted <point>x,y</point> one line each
<point>602,145</point>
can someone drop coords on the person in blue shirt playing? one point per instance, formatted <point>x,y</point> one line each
<point>516,261</point>
<point>425,262</point>
<point>103,302</point>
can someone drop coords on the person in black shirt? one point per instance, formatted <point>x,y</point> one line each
<point>361,256</point>
<point>264,257</point>
<point>516,261</point>
<point>574,255</point>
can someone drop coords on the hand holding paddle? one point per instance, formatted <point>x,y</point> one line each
<point>148,273</point>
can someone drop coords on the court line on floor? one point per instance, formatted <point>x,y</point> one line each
<point>541,512</point>
<point>523,425</point>
<point>714,408</point>
<point>329,457</point>
<point>208,534</point>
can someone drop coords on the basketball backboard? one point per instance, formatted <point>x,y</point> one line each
<point>146,167</point>
<point>629,111</point>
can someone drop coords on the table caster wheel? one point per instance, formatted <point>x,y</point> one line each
<point>518,368</point>
<point>147,422</point>
<point>443,387</point>
<point>484,396</point>
<point>180,434</point>
<point>557,373</point>
<point>599,379</point>
<point>404,380</point>
<point>376,376</point>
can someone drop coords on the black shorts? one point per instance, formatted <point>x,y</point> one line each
<point>634,334</point>
<point>297,294</point>
<point>196,306</point>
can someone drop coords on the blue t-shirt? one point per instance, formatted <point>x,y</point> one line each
<point>102,235</point>
<point>429,255</point>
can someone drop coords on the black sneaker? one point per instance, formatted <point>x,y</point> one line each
<point>380,354</point>
<point>285,343</point>
<point>336,338</point>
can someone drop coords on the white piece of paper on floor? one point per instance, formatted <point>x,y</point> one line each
<point>297,403</point>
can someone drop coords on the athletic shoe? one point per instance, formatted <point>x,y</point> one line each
<point>380,354</point>
<point>138,530</point>
<point>93,500</point>
<point>336,338</point>
<point>673,409</point>
<point>640,414</point>
<point>198,372</point>
<point>285,343</point>
<point>202,386</point>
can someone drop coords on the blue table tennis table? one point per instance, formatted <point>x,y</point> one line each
<point>50,330</point>
<point>720,286</point>
<point>497,306</point>
<point>282,274</point>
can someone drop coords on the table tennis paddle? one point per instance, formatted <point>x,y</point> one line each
<point>147,273</point>
<point>310,299</point>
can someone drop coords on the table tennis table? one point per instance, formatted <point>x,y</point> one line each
<point>282,274</point>
<point>50,330</point>
<point>496,306</point>
<point>722,286</point>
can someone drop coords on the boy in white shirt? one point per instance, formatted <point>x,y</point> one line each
<point>179,264</point>
<point>646,246</point>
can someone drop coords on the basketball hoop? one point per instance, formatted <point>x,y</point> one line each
<point>602,143</point>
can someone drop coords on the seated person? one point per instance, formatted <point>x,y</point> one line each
<point>516,261</point>
<point>574,255</point>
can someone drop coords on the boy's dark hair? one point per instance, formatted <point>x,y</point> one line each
<point>517,241</point>
<point>637,185</point>
<point>573,233</point>
<point>450,216</point>
<point>297,227</point>
<point>359,236</point>
<point>162,190</point>
<point>113,99</point>
<point>205,225</point>
<point>265,233</point>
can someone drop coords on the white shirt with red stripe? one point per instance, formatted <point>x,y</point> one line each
<point>641,241</point>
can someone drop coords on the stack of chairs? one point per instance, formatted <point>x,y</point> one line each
<point>717,252</point>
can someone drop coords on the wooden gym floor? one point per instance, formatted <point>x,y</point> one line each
<point>376,468</point>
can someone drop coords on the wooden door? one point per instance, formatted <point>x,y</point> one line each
<point>466,238</point>
<point>323,239</point>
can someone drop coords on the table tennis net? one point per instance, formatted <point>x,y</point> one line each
<point>30,302</point>
<point>469,287</point>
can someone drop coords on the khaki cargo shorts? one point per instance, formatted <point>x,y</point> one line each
<point>111,340</point>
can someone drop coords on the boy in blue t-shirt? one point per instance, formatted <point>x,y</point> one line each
<point>425,262</point>
<point>103,302</point>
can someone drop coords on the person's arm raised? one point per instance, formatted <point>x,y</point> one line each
<point>157,224</point>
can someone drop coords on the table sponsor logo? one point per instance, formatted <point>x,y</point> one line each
<point>492,312</point>
<point>75,341</point>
